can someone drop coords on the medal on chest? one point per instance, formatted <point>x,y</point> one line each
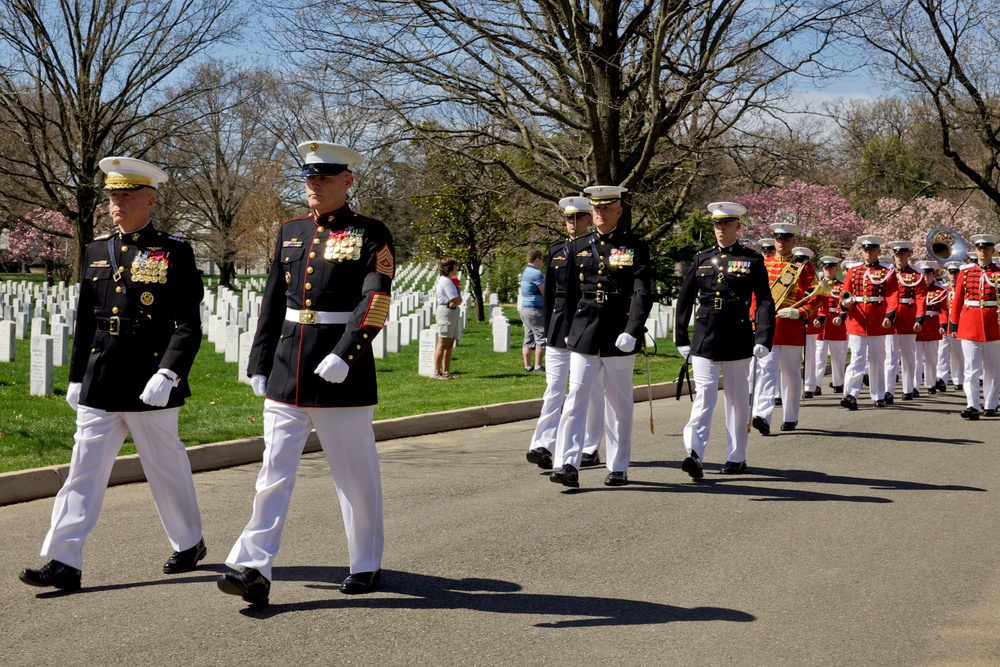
<point>343,245</point>
<point>150,266</point>
<point>620,257</point>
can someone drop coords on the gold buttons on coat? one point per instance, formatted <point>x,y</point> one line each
<point>119,289</point>
<point>350,356</point>
<point>358,346</point>
<point>124,248</point>
<point>115,310</point>
<point>309,285</point>
<point>286,259</point>
<point>315,241</point>
<point>312,255</point>
<point>156,354</point>
<point>310,269</point>
<point>321,229</point>
<point>365,335</point>
<point>309,302</point>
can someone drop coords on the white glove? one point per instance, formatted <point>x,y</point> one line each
<point>157,391</point>
<point>625,342</point>
<point>259,385</point>
<point>760,351</point>
<point>790,313</point>
<point>73,394</point>
<point>684,351</point>
<point>332,369</point>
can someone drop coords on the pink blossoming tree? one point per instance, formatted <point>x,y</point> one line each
<point>44,236</point>
<point>895,220</point>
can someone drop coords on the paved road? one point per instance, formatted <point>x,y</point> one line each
<point>866,538</point>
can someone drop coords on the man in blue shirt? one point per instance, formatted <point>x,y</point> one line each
<point>533,312</point>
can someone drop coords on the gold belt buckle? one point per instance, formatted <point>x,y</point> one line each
<point>717,303</point>
<point>982,303</point>
<point>307,317</point>
<point>865,299</point>
<point>599,296</point>
<point>114,325</point>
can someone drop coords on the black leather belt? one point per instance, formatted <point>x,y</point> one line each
<point>600,296</point>
<point>719,303</point>
<point>117,326</point>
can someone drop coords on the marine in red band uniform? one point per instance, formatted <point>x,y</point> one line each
<point>974,322</point>
<point>814,333</point>
<point>718,288</point>
<point>138,330</point>
<point>834,336</point>
<point>872,289</point>
<point>327,296</point>
<point>929,336</point>
<point>611,293</point>
<point>950,360</point>
<point>558,317</point>
<point>791,281</point>
<point>901,342</point>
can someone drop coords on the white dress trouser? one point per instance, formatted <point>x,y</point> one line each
<point>927,352</point>
<point>810,361</point>
<point>838,361</point>
<point>956,360</point>
<point>783,359</point>
<point>903,348</point>
<point>981,359</point>
<point>348,443</point>
<point>556,374</point>
<point>736,404</point>
<point>99,437</point>
<point>865,350</point>
<point>584,370</point>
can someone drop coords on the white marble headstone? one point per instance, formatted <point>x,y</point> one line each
<point>428,341</point>
<point>41,365</point>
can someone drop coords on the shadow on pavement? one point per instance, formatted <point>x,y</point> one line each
<point>421,591</point>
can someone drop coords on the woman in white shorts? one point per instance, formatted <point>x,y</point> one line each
<point>447,298</point>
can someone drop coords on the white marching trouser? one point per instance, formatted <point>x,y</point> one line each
<point>812,378</point>
<point>903,362</point>
<point>838,361</point>
<point>870,350</point>
<point>736,404</point>
<point>99,437</point>
<point>348,442</point>
<point>927,351</point>
<point>584,370</point>
<point>780,366</point>
<point>956,360</point>
<point>981,359</point>
<point>556,374</point>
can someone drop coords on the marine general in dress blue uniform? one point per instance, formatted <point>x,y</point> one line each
<point>719,288</point>
<point>138,330</point>
<point>610,295</point>
<point>327,297</point>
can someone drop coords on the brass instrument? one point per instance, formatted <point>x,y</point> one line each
<point>822,288</point>
<point>942,240</point>
<point>846,299</point>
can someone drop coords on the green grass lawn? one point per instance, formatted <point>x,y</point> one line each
<point>38,431</point>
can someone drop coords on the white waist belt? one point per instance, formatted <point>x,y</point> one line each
<point>316,317</point>
<point>907,301</point>
<point>979,304</point>
<point>930,313</point>
<point>869,299</point>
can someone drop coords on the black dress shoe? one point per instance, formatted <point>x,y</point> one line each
<point>958,387</point>
<point>733,468</point>
<point>888,399</point>
<point>590,459</point>
<point>849,402</point>
<point>941,385</point>
<point>864,379</point>
<point>540,457</point>
<point>818,392</point>
<point>807,394</point>
<point>567,476</point>
<point>788,426</point>
<point>839,389</point>
<point>616,479</point>
<point>360,582</point>
<point>989,413</point>
<point>880,403</point>
<point>916,393</point>
<point>692,466</point>
<point>187,560</point>
<point>53,573</point>
<point>761,425</point>
<point>777,402</point>
<point>932,390</point>
<point>248,583</point>
<point>972,414</point>
<point>907,397</point>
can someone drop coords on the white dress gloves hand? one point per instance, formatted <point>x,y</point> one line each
<point>259,385</point>
<point>73,394</point>
<point>332,369</point>
<point>684,351</point>
<point>625,342</point>
<point>790,313</point>
<point>157,391</point>
<point>760,351</point>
